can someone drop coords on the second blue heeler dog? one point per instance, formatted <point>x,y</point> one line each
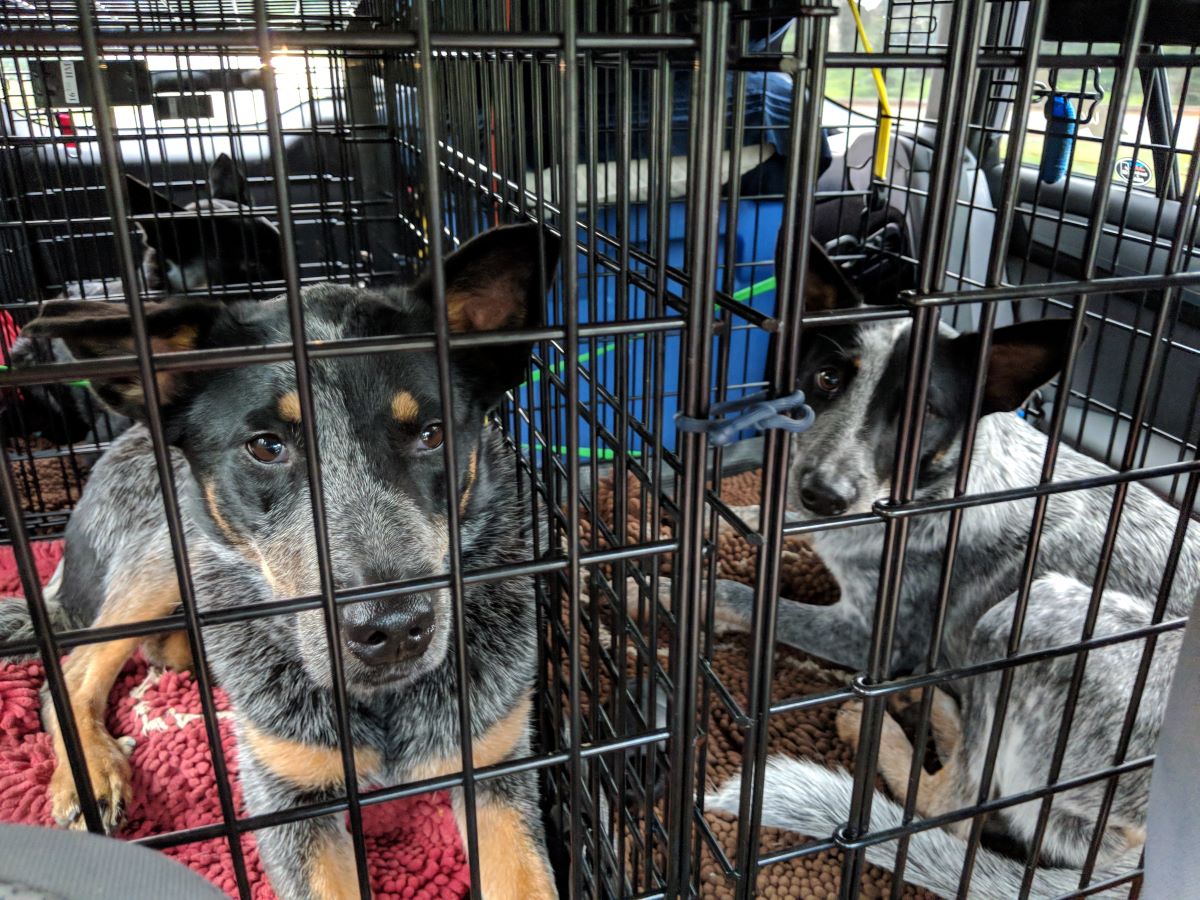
<point>854,379</point>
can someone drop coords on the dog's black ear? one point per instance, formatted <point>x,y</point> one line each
<point>226,181</point>
<point>494,283</point>
<point>94,330</point>
<point>169,238</point>
<point>145,201</point>
<point>826,286</point>
<point>1023,358</point>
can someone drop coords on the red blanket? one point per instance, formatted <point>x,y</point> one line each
<point>413,844</point>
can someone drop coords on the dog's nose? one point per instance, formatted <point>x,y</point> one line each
<point>399,632</point>
<point>821,497</point>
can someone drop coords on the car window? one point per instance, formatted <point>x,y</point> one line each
<point>1183,88</point>
<point>299,78</point>
<point>910,91</point>
<point>1089,91</point>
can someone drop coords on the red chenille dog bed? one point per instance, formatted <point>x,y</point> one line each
<point>412,844</point>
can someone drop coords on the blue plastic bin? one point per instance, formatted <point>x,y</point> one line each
<point>758,224</point>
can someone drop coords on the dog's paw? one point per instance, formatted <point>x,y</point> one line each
<point>900,702</point>
<point>728,622</point>
<point>734,606</point>
<point>748,514</point>
<point>108,768</point>
<point>945,715</point>
<point>849,722</point>
<point>170,651</point>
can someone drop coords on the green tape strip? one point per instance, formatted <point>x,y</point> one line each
<point>558,366</point>
<point>586,452</point>
<point>759,287</point>
<point>82,382</point>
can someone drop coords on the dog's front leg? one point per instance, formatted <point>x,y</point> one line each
<point>512,851</point>
<point>511,846</point>
<point>839,633</point>
<point>748,514</point>
<point>311,859</point>
<point>134,594</point>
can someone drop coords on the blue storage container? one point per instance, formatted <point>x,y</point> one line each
<point>758,223</point>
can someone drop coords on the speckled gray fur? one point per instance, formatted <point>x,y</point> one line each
<point>1009,453</point>
<point>265,665</point>
<point>386,520</point>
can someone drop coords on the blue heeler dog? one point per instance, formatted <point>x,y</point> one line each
<point>241,474</point>
<point>854,378</point>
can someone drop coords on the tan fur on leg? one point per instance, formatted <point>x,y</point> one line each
<point>934,792</point>
<point>945,724</point>
<point>89,672</point>
<point>511,866</point>
<point>332,874</point>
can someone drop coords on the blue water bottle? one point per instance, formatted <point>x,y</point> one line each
<point>1060,137</point>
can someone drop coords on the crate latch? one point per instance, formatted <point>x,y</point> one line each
<point>757,411</point>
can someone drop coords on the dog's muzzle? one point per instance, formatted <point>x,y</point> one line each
<point>826,496</point>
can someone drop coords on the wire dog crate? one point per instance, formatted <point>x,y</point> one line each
<point>674,147</point>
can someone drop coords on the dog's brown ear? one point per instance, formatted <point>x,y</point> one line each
<point>1023,358</point>
<point>495,282</point>
<point>826,286</point>
<point>94,330</point>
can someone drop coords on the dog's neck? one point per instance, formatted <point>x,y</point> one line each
<point>1009,452</point>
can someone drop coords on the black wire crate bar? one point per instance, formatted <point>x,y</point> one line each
<point>633,449</point>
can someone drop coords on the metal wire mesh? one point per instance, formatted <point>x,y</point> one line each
<point>671,145</point>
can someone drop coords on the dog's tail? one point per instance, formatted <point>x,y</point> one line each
<point>17,625</point>
<point>809,798</point>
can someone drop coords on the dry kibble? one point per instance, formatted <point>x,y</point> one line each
<point>808,733</point>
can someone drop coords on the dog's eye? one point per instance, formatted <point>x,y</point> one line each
<point>828,380</point>
<point>268,448</point>
<point>431,436</point>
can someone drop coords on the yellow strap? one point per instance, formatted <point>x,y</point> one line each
<point>884,133</point>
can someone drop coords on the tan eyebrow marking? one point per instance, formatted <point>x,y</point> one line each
<point>405,408</point>
<point>472,471</point>
<point>210,497</point>
<point>289,407</point>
